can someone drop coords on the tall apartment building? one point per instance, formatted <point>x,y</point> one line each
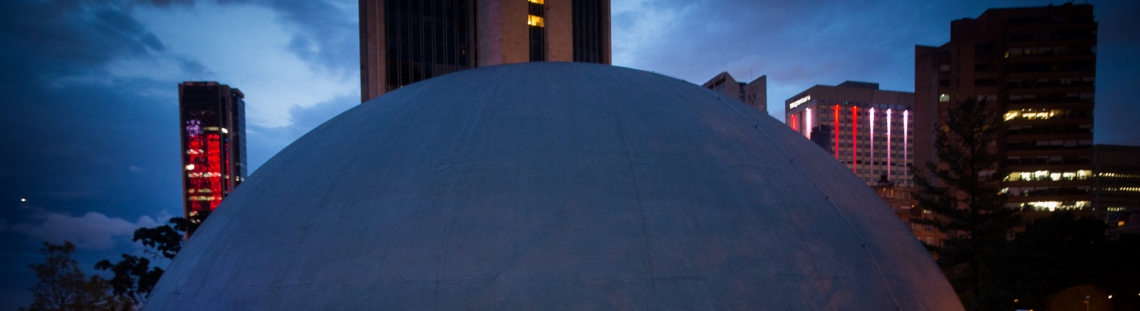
<point>753,93</point>
<point>406,41</point>
<point>1037,67</point>
<point>212,122</point>
<point>867,129</point>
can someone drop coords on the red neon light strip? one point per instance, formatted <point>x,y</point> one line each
<point>836,128</point>
<point>889,144</point>
<point>855,139</point>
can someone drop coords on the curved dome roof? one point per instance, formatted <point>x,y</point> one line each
<point>553,186</point>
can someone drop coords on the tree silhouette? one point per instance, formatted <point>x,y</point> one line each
<point>966,200</point>
<point>134,277</point>
<point>62,286</point>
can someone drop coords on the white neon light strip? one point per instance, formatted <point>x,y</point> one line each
<point>889,177</point>
<point>906,143</point>
<point>871,115</point>
<point>807,123</point>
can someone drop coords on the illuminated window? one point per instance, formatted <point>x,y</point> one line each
<point>537,1</point>
<point>944,98</point>
<point>535,21</point>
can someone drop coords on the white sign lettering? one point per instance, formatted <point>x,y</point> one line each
<point>798,102</point>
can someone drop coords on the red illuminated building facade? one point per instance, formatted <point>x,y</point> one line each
<point>212,121</point>
<point>869,130</point>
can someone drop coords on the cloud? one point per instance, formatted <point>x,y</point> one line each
<point>302,120</point>
<point>92,230</point>
<point>61,37</point>
<point>325,32</point>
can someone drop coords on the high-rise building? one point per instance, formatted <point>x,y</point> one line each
<point>871,132</point>
<point>753,93</point>
<point>868,129</point>
<point>1116,186</point>
<point>405,41</point>
<point>213,143</point>
<point>1037,67</point>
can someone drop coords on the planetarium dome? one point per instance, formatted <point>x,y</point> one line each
<point>553,186</point>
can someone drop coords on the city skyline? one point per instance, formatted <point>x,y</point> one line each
<point>92,109</point>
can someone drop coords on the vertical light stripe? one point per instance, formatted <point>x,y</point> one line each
<point>906,145</point>
<point>807,123</point>
<point>889,177</point>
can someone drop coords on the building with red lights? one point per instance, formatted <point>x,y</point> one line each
<point>871,131</point>
<point>868,129</point>
<point>212,122</point>
<point>1036,67</point>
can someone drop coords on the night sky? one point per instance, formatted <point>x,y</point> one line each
<point>88,88</point>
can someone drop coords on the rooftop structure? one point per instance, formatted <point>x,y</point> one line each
<point>753,93</point>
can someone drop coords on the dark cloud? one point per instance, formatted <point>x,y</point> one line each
<point>325,34</point>
<point>193,67</point>
<point>55,38</point>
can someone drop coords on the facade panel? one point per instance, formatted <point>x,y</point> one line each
<point>406,41</point>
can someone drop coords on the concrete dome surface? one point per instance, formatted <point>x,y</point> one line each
<point>553,186</point>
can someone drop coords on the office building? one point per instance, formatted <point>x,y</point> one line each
<point>1116,186</point>
<point>405,41</point>
<point>753,93</point>
<point>1037,68</point>
<point>212,126</point>
<point>867,129</point>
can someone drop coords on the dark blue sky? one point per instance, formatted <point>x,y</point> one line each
<point>88,88</point>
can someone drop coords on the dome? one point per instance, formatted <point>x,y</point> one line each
<point>553,186</point>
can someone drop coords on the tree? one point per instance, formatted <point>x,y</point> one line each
<point>134,277</point>
<point>966,200</point>
<point>62,286</point>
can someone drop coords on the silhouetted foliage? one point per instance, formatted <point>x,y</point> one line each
<point>1061,254</point>
<point>968,204</point>
<point>134,277</point>
<point>62,286</point>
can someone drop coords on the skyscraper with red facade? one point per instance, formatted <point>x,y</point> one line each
<point>212,122</point>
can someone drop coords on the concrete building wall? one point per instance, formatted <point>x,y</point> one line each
<point>753,93</point>
<point>372,51</point>
<point>756,93</point>
<point>499,34</point>
<point>559,31</point>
